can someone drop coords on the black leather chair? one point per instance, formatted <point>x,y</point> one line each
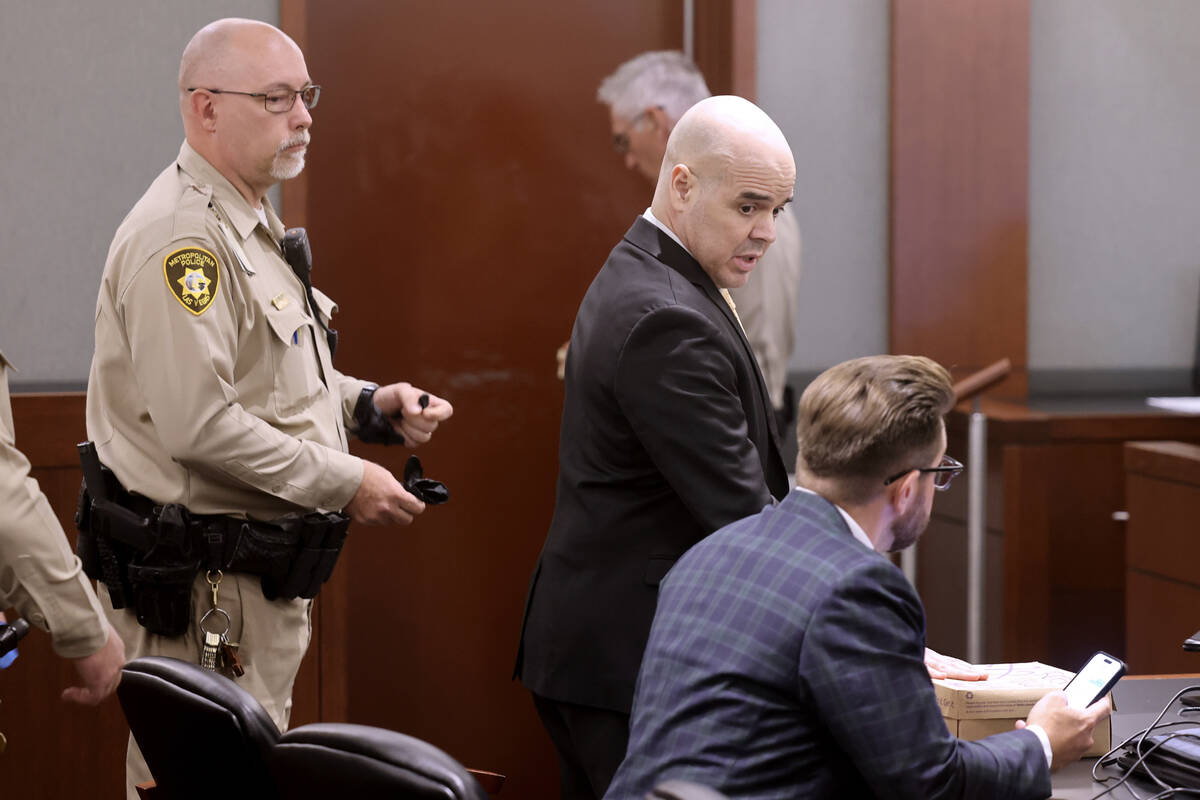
<point>205,736</point>
<point>202,735</point>
<point>342,760</point>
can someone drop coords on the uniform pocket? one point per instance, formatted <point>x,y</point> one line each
<point>297,374</point>
<point>325,306</point>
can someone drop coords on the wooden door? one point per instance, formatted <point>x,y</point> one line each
<point>461,194</point>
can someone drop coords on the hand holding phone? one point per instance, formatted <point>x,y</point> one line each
<point>1094,680</point>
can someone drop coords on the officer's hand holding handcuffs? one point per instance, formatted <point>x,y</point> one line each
<point>412,419</point>
<point>413,415</point>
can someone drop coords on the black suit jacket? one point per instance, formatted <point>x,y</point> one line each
<point>667,435</point>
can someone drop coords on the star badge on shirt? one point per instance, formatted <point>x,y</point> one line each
<point>193,276</point>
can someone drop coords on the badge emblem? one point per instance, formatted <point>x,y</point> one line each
<point>193,277</point>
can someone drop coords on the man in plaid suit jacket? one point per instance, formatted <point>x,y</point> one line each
<point>785,657</point>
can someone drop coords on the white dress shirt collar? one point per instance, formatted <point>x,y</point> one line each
<point>656,222</point>
<point>855,529</point>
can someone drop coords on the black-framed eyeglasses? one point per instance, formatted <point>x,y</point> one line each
<point>277,101</point>
<point>946,470</point>
<point>620,141</point>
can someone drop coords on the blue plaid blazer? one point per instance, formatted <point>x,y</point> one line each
<point>786,660</point>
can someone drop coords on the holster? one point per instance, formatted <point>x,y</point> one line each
<point>161,578</point>
<point>319,540</point>
<point>149,555</point>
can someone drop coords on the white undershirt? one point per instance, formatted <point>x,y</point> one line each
<point>656,222</point>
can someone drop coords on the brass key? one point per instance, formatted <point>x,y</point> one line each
<point>229,658</point>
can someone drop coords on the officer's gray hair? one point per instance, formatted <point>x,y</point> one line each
<point>665,78</point>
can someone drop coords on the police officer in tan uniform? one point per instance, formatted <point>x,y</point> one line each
<point>41,577</point>
<point>212,385</point>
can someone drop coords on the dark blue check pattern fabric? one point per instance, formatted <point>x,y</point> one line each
<point>786,660</point>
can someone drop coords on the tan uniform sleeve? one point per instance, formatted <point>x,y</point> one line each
<point>349,389</point>
<point>39,575</point>
<point>185,370</point>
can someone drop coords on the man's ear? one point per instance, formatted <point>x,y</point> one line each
<point>203,109</point>
<point>902,493</point>
<point>683,186</point>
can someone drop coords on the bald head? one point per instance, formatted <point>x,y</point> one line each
<point>727,173</point>
<point>228,71</point>
<point>222,51</point>
<point>719,131</point>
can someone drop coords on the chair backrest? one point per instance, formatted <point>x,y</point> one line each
<point>201,734</point>
<point>325,760</point>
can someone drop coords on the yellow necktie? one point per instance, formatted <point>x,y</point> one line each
<point>732,307</point>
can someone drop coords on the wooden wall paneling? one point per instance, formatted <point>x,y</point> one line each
<point>942,578</point>
<point>1161,614</point>
<point>959,183</point>
<point>55,749</point>
<point>461,193</point>
<point>1162,601</point>
<point>1162,526</point>
<point>1087,552</point>
<point>320,693</point>
<point>1064,554</point>
<point>1173,461</point>
<point>1027,553</point>
<point>293,20</point>
<point>942,558</point>
<point>726,45</point>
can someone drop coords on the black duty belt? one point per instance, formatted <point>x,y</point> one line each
<point>148,554</point>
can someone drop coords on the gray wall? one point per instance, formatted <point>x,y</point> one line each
<point>823,73</point>
<point>1114,224</point>
<point>90,117</point>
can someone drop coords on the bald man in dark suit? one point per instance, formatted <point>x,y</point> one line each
<point>668,431</point>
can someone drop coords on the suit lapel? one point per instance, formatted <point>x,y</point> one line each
<point>646,236</point>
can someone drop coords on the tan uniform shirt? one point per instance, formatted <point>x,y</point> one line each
<point>39,575</point>
<point>211,384</point>
<point>766,305</point>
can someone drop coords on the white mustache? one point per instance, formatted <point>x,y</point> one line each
<point>300,138</point>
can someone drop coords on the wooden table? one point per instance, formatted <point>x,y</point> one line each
<point>1162,555</point>
<point>1055,554</point>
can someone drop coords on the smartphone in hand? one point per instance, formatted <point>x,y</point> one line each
<point>1096,679</point>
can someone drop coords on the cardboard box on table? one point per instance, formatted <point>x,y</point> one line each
<point>975,709</point>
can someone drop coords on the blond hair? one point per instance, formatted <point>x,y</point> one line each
<point>868,418</point>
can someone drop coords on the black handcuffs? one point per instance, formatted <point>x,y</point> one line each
<point>375,428</point>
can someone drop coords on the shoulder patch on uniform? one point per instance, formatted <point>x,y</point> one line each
<point>193,276</point>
